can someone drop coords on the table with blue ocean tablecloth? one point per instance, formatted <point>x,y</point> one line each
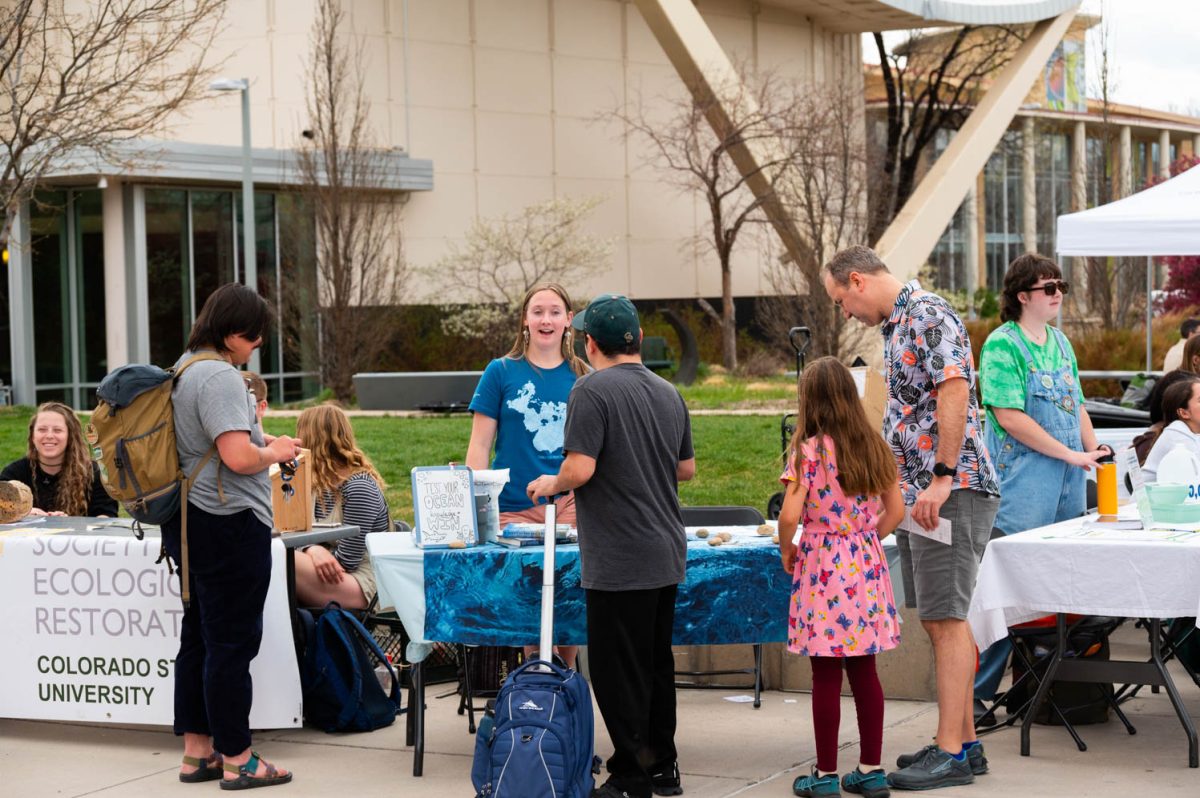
<point>491,594</point>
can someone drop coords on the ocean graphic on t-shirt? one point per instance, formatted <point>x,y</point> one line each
<point>544,419</point>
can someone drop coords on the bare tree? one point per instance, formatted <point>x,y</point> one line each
<point>693,157</point>
<point>502,258</point>
<point>77,79</point>
<point>826,194</point>
<point>1113,284</point>
<point>354,222</point>
<point>932,82</point>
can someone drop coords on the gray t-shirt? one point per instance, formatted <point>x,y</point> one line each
<point>636,426</point>
<point>211,398</point>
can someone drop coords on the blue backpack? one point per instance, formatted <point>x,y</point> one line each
<point>541,743</point>
<point>341,691</point>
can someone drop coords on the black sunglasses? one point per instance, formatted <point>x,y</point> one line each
<point>1050,288</point>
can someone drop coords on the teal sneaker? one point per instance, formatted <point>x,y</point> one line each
<point>814,786</point>
<point>872,784</point>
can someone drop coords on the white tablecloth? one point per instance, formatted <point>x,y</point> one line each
<point>1039,572</point>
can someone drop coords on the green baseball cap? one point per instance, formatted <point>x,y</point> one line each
<point>611,319</point>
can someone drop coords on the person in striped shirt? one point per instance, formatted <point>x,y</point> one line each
<point>347,488</point>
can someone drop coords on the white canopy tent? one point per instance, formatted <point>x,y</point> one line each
<point>1161,220</point>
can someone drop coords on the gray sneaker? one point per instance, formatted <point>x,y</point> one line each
<point>934,768</point>
<point>979,763</point>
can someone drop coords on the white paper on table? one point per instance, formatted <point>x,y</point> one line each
<point>740,699</point>
<point>941,533</point>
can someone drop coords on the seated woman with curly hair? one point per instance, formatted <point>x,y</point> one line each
<point>58,467</point>
<point>348,489</point>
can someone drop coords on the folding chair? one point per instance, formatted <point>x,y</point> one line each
<point>725,515</point>
<point>1034,645</point>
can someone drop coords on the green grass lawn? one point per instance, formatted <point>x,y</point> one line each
<point>737,457</point>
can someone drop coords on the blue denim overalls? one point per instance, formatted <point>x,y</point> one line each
<point>1029,481</point>
<point>1035,490</point>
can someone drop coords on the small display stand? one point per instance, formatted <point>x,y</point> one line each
<point>292,499</point>
<point>444,507</point>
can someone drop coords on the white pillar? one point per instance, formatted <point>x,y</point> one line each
<point>20,308</point>
<point>116,327</point>
<point>971,222</point>
<point>1164,154</point>
<point>1029,184</point>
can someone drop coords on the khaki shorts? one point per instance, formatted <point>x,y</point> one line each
<point>364,574</point>
<point>537,513</point>
<point>939,580</point>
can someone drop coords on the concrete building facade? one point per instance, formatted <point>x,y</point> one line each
<point>487,106</point>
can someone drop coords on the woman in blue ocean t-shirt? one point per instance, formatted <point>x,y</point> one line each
<point>520,404</point>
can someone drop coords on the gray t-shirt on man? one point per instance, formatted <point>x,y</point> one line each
<point>636,426</point>
<point>211,398</point>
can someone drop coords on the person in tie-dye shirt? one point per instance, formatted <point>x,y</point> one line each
<point>932,425</point>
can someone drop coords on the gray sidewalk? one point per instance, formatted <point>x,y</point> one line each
<point>726,749</point>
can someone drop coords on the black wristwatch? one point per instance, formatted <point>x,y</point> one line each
<point>943,470</point>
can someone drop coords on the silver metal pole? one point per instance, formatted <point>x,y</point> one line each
<point>1149,312</point>
<point>250,260</point>
<point>546,638</point>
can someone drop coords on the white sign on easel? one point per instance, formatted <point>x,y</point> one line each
<point>443,506</point>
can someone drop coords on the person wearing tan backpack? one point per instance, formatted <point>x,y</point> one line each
<point>228,542</point>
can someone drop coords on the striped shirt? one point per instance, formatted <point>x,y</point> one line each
<point>363,506</point>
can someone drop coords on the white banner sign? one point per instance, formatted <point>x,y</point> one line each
<point>90,629</point>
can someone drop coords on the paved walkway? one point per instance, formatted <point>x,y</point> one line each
<point>726,749</point>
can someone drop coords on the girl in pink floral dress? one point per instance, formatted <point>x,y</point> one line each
<point>842,488</point>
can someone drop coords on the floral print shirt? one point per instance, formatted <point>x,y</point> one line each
<point>924,345</point>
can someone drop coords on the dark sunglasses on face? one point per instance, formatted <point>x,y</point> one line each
<point>1050,288</point>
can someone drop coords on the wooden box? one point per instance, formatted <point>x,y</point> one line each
<point>294,512</point>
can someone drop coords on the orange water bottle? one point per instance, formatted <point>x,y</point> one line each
<point>1106,486</point>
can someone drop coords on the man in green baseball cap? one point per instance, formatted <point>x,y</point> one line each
<point>628,445</point>
<point>612,320</point>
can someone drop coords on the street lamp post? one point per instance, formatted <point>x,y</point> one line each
<point>249,257</point>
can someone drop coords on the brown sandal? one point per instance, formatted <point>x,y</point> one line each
<point>206,769</point>
<point>246,780</point>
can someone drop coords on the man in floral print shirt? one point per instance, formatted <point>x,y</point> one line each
<point>932,425</point>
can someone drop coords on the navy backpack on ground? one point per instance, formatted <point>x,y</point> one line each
<point>341,691</point>
<point>541,742</point>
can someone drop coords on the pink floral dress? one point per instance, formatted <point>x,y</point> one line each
<point>842,604</point>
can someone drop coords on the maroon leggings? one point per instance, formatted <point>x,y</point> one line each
<point>827,707</point>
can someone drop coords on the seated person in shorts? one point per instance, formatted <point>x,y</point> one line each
<point>348,489</point>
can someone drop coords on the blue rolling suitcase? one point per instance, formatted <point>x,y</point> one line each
<point>540,743</point>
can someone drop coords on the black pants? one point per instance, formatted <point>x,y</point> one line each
<point>633,675</point>
<point>229,565</point>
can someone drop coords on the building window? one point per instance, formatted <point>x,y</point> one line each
<point>1053,168</point>
<point>949,259</point>
<point>67,268</point>
<point>1002,208</point>
<point>194,245</point>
